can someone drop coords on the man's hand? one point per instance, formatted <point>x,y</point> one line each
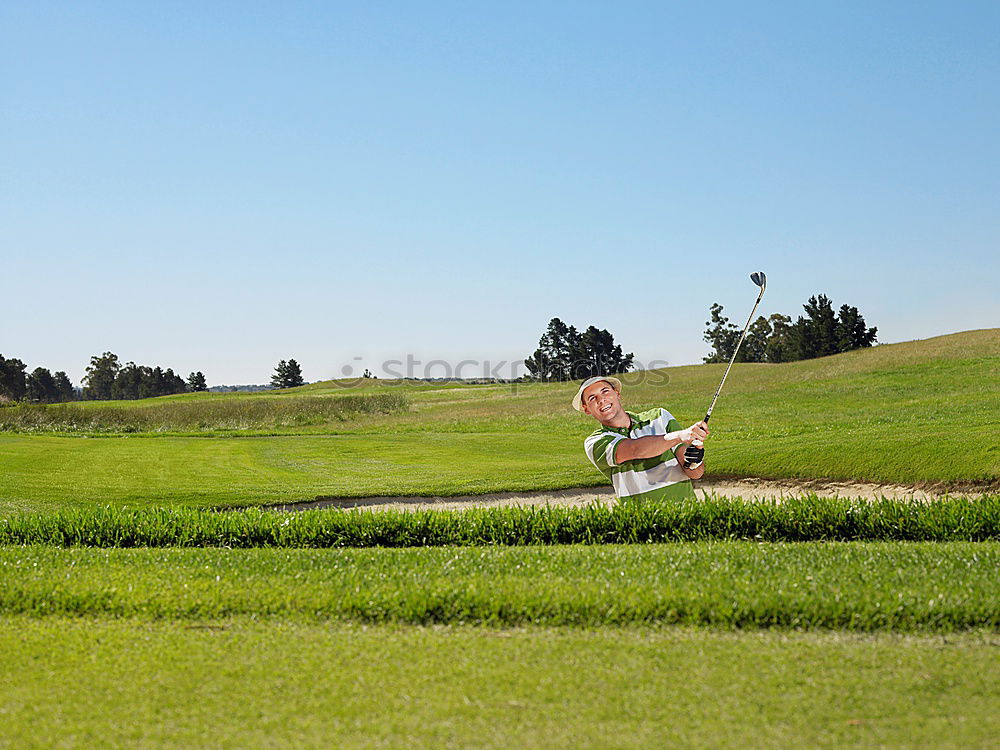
<point>696,433</point>
<point>693,456</point>
<point>694,436</point>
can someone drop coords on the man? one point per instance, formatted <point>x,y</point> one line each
<point>642,454</point>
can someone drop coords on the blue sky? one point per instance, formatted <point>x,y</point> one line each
<point>220,186</point>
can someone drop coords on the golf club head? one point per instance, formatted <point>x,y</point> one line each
<point>758,278</point>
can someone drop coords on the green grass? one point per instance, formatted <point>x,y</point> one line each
<point>283,645</point>
<point>862,586</point>
<point>883,414</point>
<point>806,518</point>
<point>241,683</point>
<point>44,473</point>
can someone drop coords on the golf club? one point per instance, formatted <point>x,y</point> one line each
<point>694,454</point>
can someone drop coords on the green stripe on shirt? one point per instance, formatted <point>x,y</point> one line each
<point>659,477</point>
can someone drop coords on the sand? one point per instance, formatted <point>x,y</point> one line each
<point>750,489</point>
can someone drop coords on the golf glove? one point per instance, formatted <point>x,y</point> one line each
<point>694,455</point>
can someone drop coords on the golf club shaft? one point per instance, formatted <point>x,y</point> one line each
<point>735,352</point>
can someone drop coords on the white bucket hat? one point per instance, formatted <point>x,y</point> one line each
<point>578,398</point>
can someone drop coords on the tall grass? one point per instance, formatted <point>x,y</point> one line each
<point>808,518</point>
<point>206,415</point>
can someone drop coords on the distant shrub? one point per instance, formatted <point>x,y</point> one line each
<point>201,415</point>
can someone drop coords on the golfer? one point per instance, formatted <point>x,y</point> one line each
<point>642,454</point>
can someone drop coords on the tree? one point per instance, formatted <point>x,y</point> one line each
<point>564,353</point>
<point>100,378</point>
<point>64,388</point>
<point>851,330</point>
<point>280,373</point>
<point>294,378</point>
<point>721,334</point>
<point>151,382</point>
<point>597,354</point>
<point>782,345</point>
<point>557,349</point>
<point>287,375</point>
<point>41,386</point>
<point>754,347</point>
<point>817,332</point>
<point>196,382</point>
<point>139,381</point>
<point>172,383</point>
<point>13,382</point>
<point>537,365</point>
<point>820,332</point>
<point>724,337</point>
<point>128,382</point>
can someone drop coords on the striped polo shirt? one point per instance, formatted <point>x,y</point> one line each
<point>657,478</point>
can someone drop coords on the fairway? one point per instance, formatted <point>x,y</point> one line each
<point>891,404</point>
<point>45,472</point>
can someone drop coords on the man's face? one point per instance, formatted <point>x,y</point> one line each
<point>602,402</point>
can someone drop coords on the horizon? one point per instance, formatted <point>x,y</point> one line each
<point>500,380</point>
<point>638,368</point>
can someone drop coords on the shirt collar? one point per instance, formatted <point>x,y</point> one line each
<point>632,420</point>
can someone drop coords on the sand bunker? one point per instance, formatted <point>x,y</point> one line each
<point>749,489</point>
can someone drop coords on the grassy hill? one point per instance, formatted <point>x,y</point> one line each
<point>916,412</point>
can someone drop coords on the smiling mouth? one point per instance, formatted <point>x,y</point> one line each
<point>605,409</point>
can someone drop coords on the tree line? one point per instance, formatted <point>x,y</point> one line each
<point>106,379</point>
<point>17,384</point>
<point>818,333</point>
<point>564,353</point>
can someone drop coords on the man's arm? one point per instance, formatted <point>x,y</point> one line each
<point>656,445</point>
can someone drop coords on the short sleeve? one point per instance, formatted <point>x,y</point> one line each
<point>600,449</point>
<point>670,424</point>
